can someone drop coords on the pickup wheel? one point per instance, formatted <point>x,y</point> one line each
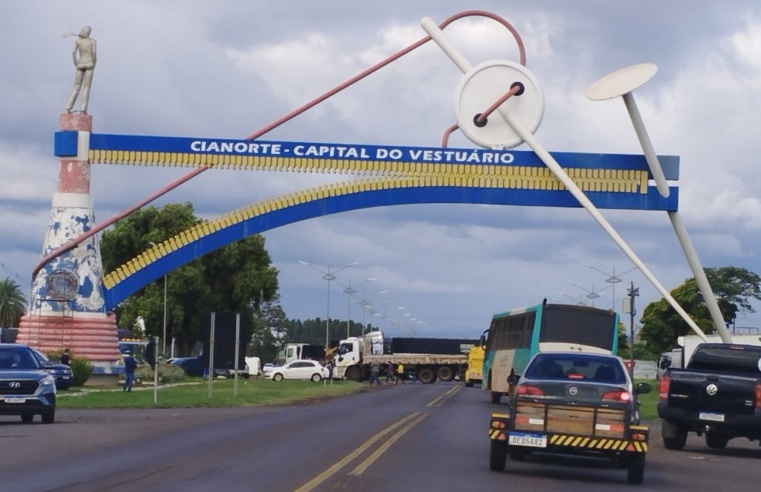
<point>27,418</point>
<point>636,468</point>
<point>497,455</point>
<point>716,441</point>
<point>677,442</point>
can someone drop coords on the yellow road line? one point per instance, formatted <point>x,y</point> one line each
<point>438,401</point>
<point>378,452</point>
<point>316,481</point>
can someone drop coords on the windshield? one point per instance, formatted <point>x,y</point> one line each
<point>20,357</point>
<point>576,367</point>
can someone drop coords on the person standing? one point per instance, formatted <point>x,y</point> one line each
<point>389,372</point>
<point>65,357</point>
<point>330,371</point>
<point>374,373</point>
<point>399,374</point>
<point>129,371</point>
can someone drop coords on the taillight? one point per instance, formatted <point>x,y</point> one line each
<point>525,389</point>
<point>663,389</point>
<point>758,395</point>
<point>618,395</point>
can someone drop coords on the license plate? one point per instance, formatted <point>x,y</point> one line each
<point>527,440</point>
<point>66,377</point>
<point>14,399</point>
<point>713,417</point>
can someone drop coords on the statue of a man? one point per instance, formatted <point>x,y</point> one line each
<point>84,55</point>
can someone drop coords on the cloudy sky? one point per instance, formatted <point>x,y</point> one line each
<point>227,68</point>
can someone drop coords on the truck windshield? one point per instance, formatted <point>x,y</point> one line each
<point>727,358</point>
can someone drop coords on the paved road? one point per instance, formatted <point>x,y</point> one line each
<point>404,438</point>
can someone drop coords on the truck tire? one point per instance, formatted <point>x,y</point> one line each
<point>354,373</point>
<point>716,441</point>
<point>496,396</point>
<point>677,436</point>
<point>445,373</point>
<point>635,470</point>
<point>497,455</point>
<point>468,384</point>
<point>426,375</point>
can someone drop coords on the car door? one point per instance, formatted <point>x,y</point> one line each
<point>303,369</point>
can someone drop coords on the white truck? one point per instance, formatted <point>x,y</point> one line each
<point>680,356</point>
<point>428,359</point>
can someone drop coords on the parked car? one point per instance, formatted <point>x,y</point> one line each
<point>192,366</point>
<point>62,373</point>
<point>299,369</point>
<point>26,387</point>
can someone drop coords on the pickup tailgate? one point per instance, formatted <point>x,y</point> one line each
<point>721,393</point>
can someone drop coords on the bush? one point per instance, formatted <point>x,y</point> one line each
<point>168,373</point>
<point>82,369</point>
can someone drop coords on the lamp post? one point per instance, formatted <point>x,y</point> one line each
<point>349,291</point>
<point>613,279</point>
<point>591,294</point>
<point>629,307</point>
<point>366,306</point>
<point>329,275</point>
<point>163,338</point>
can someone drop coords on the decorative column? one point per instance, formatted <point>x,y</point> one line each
<point>67,308</point>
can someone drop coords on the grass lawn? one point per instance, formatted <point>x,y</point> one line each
<point>647,402</point>
<point>251,393</point>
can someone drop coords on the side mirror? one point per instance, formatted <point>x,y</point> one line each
<point>665,363</point>
<point>642,388</point>
<point>513,379</point>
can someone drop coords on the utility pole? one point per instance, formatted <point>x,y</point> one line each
<point>630,307</point>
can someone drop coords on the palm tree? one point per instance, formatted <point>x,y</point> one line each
<point>12,303</point>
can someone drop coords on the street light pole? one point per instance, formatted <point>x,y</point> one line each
<point>329,275</point>
<point>349,291</point>
<point>591,294</point>
<point>613,279</point>
<point>632,312</point>
<point>163,338</point>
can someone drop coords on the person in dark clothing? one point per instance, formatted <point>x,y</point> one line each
<point>129,371</point>
<point>65,357</point>
<point>374,373</point>
<point>390,372</point>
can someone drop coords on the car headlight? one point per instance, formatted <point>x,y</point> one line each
<point>47,381</point>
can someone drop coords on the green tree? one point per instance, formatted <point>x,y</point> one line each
<point>268,331</point>
<point>734,289</point>
<point>12,303</point>
<point>234,278</point>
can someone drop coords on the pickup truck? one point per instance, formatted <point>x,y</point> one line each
<point>718,395</point>
<point>574,403</point>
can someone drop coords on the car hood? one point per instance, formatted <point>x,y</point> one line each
<point>22,374</point>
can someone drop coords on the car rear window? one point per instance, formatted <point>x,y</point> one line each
<point>576,367</point>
